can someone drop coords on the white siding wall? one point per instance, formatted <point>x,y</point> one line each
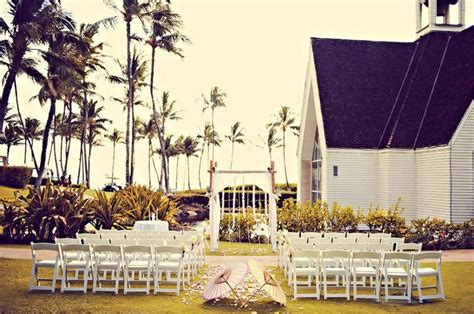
<point>462,172</point>
<point>356,183</point>
<point>304,181</point>
<point>397,180</point>
<point>433,182</point>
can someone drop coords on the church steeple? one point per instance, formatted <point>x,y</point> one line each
<point>439,15</point>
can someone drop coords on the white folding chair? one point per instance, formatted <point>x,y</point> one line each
<point>335,264</point>
<point>308,235</point>
<point>37,252</point>
<point>380,235</point>
<point>164,264</point>
<point>392,270</point>
<point>305,263</point>
<point>87,236</point>
<point>320,240</point>
<point>76,258</point>
<point>137,258</point>
<point>290,250</point>
<point>420,272</point>
<point>291,234</point>
<point>137,235</point>
<point>370,240</point>
<point>96,241</point>
<point>67,241</point>
<point>106,258</point>
<point>123,242</point>
<point>380,247</point>
<point>334,235</point>
<point>114,236</point>
<point>366,265</point>
<point>153,242</point>
<point>354,247</point>
<point>408,247</point>
<point>344,240</point>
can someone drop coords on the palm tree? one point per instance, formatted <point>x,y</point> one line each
<point>165,35</point>
<point>115,137</point>
<point>215,100</point>
<point>31,22</point>
<point>130,9</point>
<point>190,148</point>
<point>272,142</point>
<point>175,151</point>
<point>32,131</point>
<point>285,122</point>
<point>148,130</point>
<point>137,71</point>
<point>236,136</point>
<point>12,136</point>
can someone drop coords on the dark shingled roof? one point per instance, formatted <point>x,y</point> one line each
<point>389,94</point>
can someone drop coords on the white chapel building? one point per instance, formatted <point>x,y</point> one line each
<point>388,120</point>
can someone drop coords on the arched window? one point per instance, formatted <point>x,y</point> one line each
<point>316,170</point>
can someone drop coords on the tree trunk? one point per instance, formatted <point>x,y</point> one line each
<point>189,175</point>
<point>12,72</point>
<point>176,175</point>
<point>200,161</point>
<point>26,148</point>
<point>213,132</point>
<point>156,170</point>
<point>129,106</point>
<point>113,161</point>
<point>80,157</point>
<point>8,151</point>
<point>134,135</point>
<point>54,148</point>
<point>159,130</point>
<point>149,162</point>
<point>284,160</point>
<point>89,165</point>
<point>68,137</point>
<point>232,156</point>
<point>44,148</point>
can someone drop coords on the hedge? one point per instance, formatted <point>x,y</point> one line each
<point>15,176</point>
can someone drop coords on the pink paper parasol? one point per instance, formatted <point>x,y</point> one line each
<point>225,281</point>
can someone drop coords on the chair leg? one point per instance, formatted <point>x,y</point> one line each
<point>148,281</point>
<point>354,284</point>
<point>117,280</point>
<point>348,285</point>
<point>86,277</point>
<point>32,276</point>
<point>410,285</point>
<point>325,283</point>
<point>65,279</point>
<point>386,288</point>
<point>418,287</point>
<point>440,284</point>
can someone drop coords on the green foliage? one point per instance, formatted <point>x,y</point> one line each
<point>109,211</point>
<point>344,218</point>
<point>240,231</point>
<point>388,221</point>
<point>439,234</point>
<point>15,176</point>
<point>295,216</point>
<point>47,213</point>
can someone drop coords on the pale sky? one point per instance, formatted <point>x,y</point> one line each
<point>254,50</point>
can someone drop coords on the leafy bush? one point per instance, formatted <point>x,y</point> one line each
<point>295,216</point>
<point>47,213</point>
<point>15,176</point>
<point>388,221</point>
<point>109,211</point>
<point>344,218</point>
<point>141,201</point>
<point>439,234</point>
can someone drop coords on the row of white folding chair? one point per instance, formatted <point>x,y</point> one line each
<point>347,240</point>
<point>373,265</point>
<point>339,235</point>
<point>103,258</point>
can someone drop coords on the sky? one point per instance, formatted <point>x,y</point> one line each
<point>255,50</point>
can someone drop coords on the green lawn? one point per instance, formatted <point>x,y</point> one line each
<point>243,249</point>
<point>14,297</point>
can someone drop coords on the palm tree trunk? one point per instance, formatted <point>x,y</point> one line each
<point>232,155</point>
<point>8,152</point>
<point>7,88</point>
<point>200,161</point>
<point>80,157</point>
<point>54,148</point>
<point>134,135</point>
<point>156,170</point>
<point>160,131</point>
<point>213,132</point>
<point>189,174</point>
<point>284,160</point>
<point>26,148</point>
<point>113,161</point>
<point>44,148</point>
<point>149,162</point>
<point>129,106</point>
<point>89,165</point>
<point>176,175</point>
<point>68,137</point>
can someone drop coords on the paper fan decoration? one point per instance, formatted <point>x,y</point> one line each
<point>225,281</point>
<point>267,283</point>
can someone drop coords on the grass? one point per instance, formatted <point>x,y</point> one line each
<point>241,249</point>
<point>14,297</point>
<point>7,194</point>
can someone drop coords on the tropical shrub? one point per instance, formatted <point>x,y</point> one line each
<point>439,234</point>
<point>388,221</point>
<point>295,216</point>
<point>344,218</point>
<point>245,228</point>
<point>15,176</point>
<point>47,213</point>
<point>109,211</point>
<point>141,202</point>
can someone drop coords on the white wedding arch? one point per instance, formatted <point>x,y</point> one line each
<point>221,179</point>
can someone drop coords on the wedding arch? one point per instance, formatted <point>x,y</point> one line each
<point>222,179</point>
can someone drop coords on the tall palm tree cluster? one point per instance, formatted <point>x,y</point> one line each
<point>42,41</point>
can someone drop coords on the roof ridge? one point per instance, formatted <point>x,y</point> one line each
<point>413,75</point>
<point>432,90</point>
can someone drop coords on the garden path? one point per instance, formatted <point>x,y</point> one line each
<point>448,256</point>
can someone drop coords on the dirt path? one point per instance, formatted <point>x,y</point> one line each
<point>448,256</point>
